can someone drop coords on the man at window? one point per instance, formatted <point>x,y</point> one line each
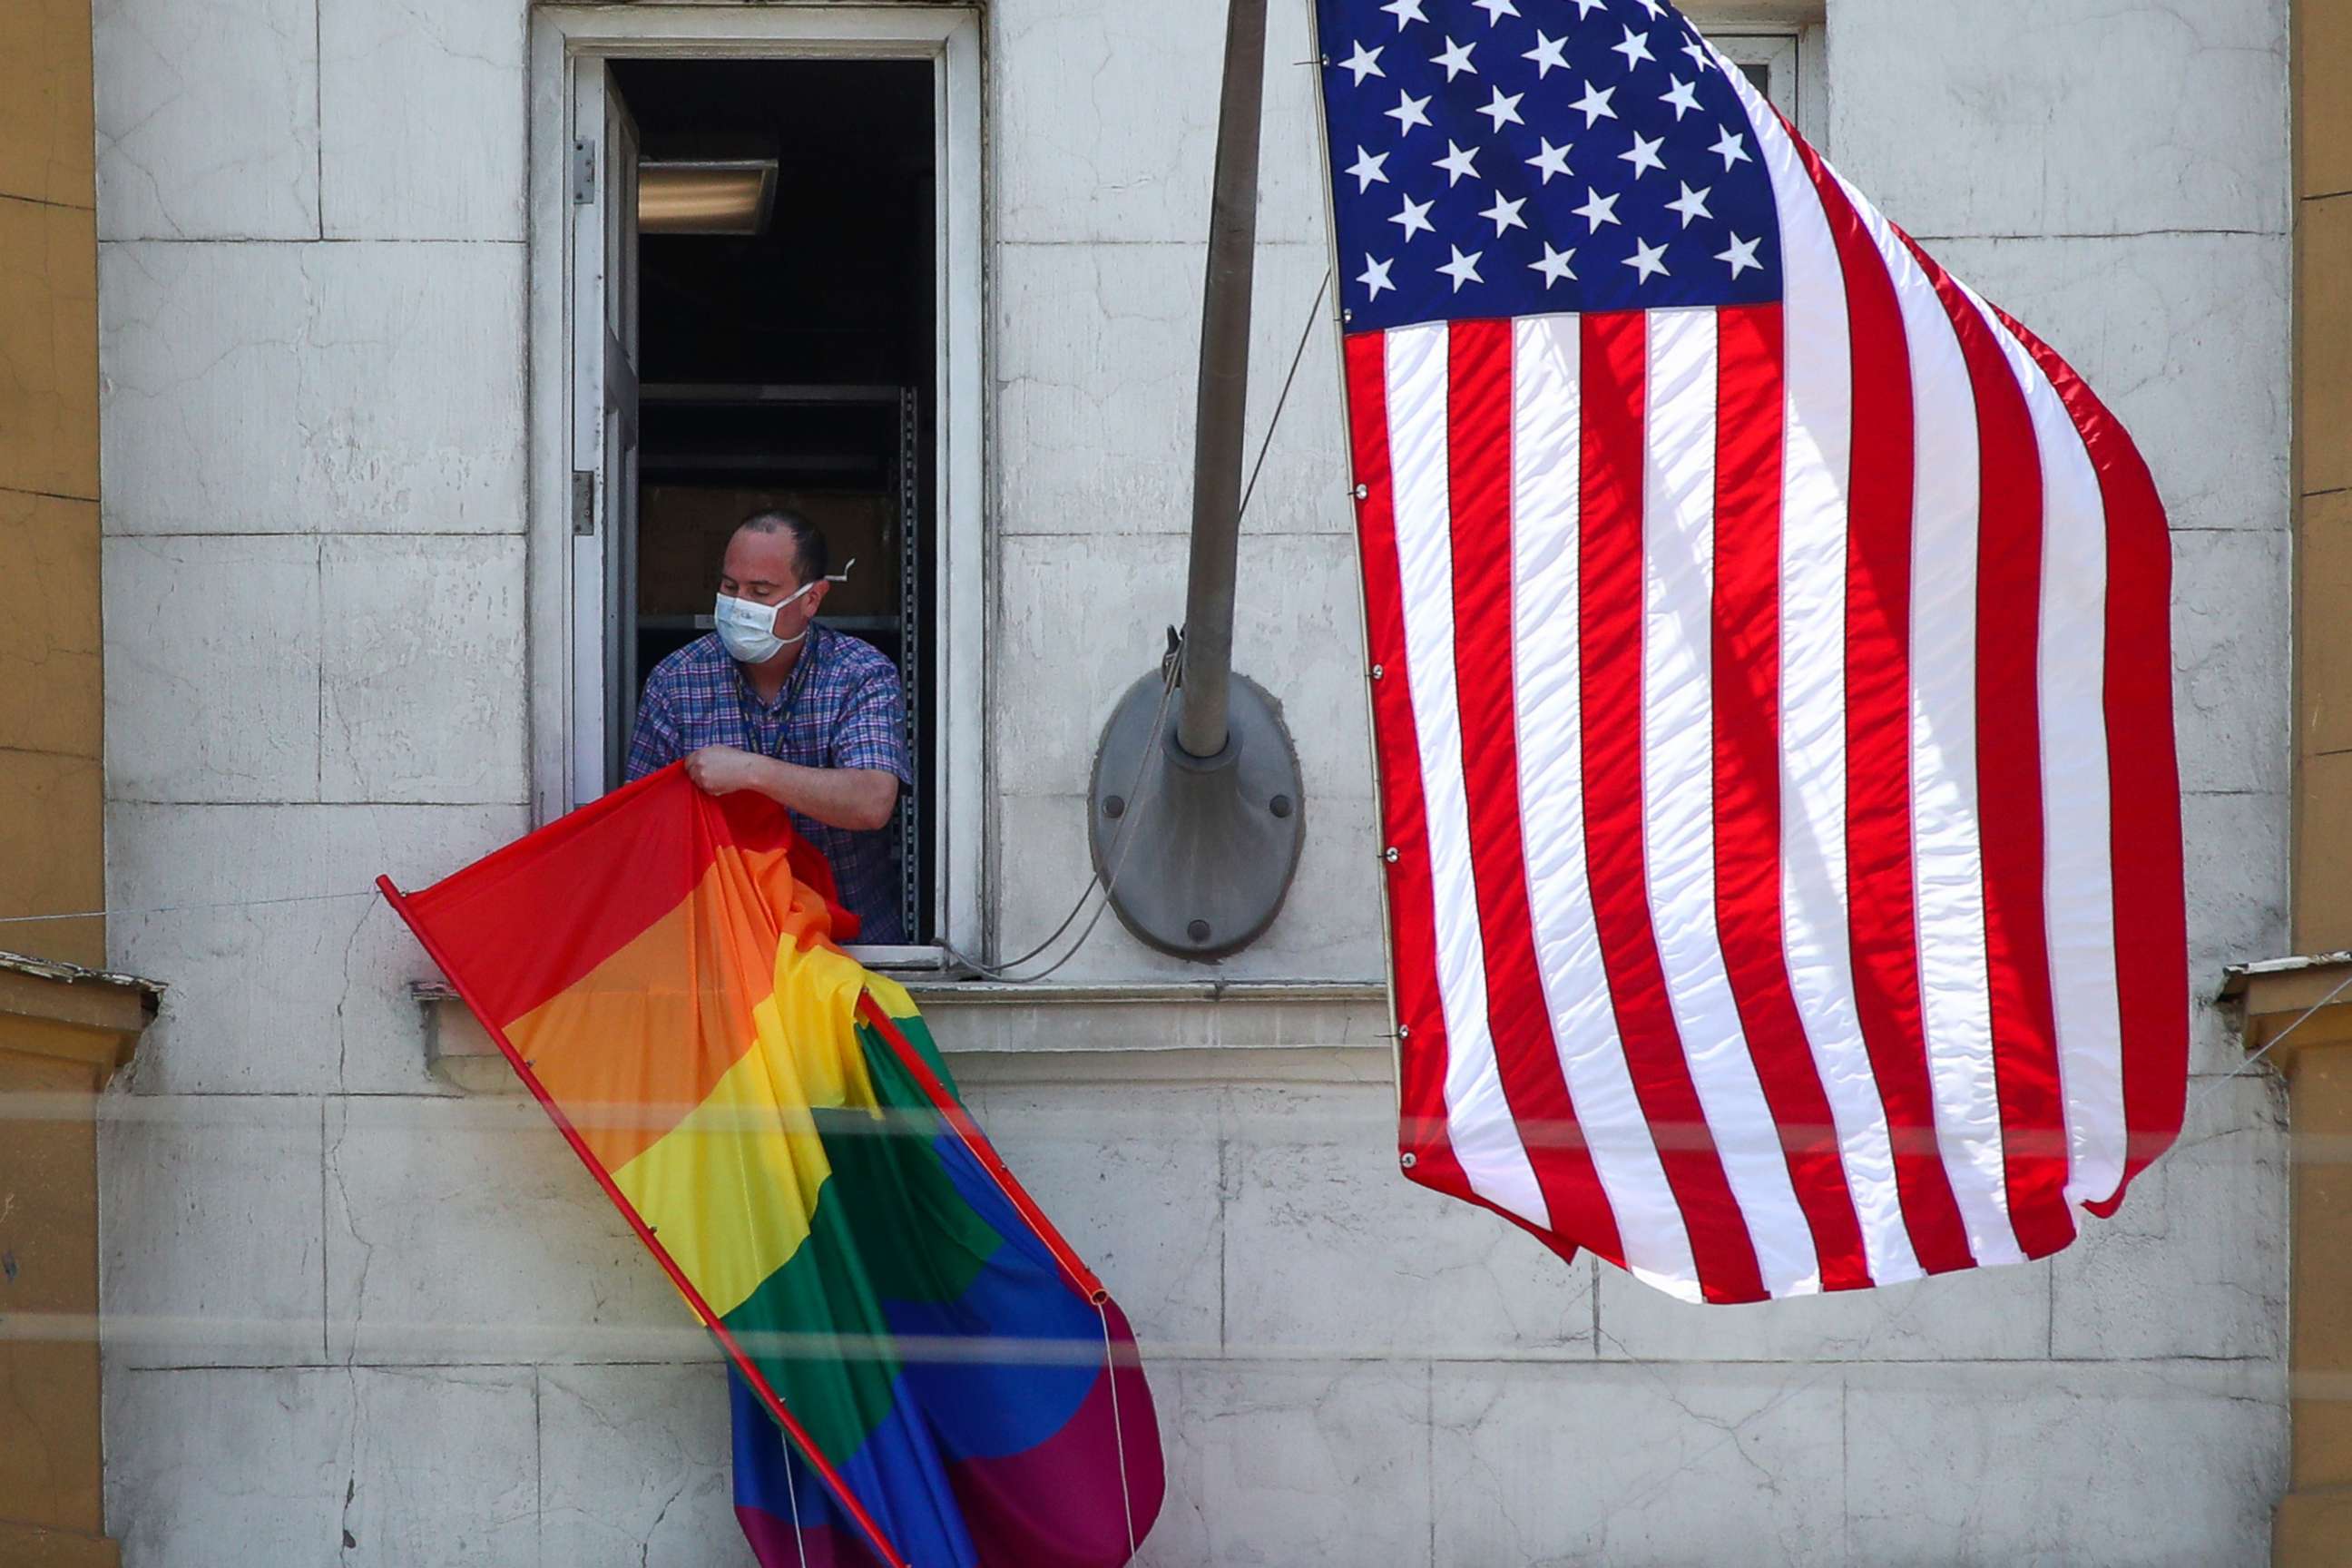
<point>807,716</point>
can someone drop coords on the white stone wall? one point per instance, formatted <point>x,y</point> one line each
<point>357,1317</point>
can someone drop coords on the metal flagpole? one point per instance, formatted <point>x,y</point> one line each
<point>1207,871</point>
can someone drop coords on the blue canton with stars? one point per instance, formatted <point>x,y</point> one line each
<point>1526,157</point>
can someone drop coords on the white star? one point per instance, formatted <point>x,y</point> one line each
<point>1652,6</point>
<point>1595,104</point>
<point>1644,155</point>
<point>1552,160</point>
<point>1405,11</point>
<point>1734,149</point>
<point>1375,276</point>
<point>1462,268</point>
<point>1742,256</point>
<point>1409,113</point>
<point>1367,170</point>
<point>1457,162</point>
<point>1648,260</point>
<point>1548,53</point>
<point>1504,110</point>
<point>1586,7</point>
<point>1364,62</point>
<point>1496,9</point>
<point>1414,215</point>
<point>1597,209</point>
<point>1684,97</point>
<point>1635,49</point>
<point>1699,57</point>
<point>1506,214</point>
<point>1554,265</point>
<point>1692,205</point>
<point>1455,60</point>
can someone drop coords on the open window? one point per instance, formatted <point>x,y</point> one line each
<point>771,298</point>
<point>1787,63</point>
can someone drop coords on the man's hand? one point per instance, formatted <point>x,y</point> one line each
<point>723,770</point>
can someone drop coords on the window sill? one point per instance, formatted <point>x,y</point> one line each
<point>1160,1031</point>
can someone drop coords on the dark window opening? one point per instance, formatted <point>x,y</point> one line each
<point>796,366</point>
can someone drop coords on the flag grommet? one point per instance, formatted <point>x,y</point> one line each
<point>1389,855</point>
<point>1407,1161</point>
<point>1363,492</point>
<point>1377,671</point>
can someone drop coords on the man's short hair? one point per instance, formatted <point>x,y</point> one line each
<point>811,557</point>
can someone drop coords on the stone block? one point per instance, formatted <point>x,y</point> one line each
<point>2194,1264</point>
<point>426,676</point>
<point>307,990</point>
<point>1991,1314</point>
<point>1103,121</point>
<point>47,141</point>
<point>1630,1464</point>
<point>463,1231</point>
<point>1328,928</point>
<point>1096,356</point>
<point>209,1226</point>
<point>207,120</point>
<point>2231,660</point>
<point>2032,116</point>
<point>2168,1463</point>
<point>49,694</point>
<point>432,1467</point>
<point>212,665</point>
<point>52,839</point>
<point>312,389</point>
<point>1298,631</point>
<point>2323,382</point>
<point>637,1469</point>
<point>49,373</point>
<point>2184,336</point>
<point>1315,1195</point>
<point>1134,1183</point>
<point>2236,847</point>
<point>422,128</point>
<point>1293,1465</point>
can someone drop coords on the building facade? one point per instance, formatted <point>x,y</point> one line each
<point>357,340</point>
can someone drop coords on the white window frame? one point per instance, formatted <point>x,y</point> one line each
<point>949,37</point>
<point>1797,53</point>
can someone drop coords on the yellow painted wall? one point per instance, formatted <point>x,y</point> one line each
<point>52,856</point>
<point>2323,111</point>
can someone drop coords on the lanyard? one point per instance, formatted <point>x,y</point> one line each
<point>787,700</point>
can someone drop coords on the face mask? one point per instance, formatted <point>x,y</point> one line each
<point>747,628</point>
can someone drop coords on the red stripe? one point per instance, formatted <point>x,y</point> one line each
<point>2009,782</point>
<point>2144,774</point>
<point>1412,900</point>
<point>1478,458</point>
<point>1609,610</point>
<point>1751,416</point>
<point>1882,907</point>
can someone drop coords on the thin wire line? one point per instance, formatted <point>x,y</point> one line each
<point>793,1492</point>
<point>1128,824</point>
<point>2254,1060</point>
<point>1118,1427</point>
<point>176,909</point>
<point>1273,423</point>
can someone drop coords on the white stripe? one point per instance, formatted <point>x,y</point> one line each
<point>1955,981</point>
<point>1547,489</point>
<point>1817,474</point>
<point>1678,791</point>
<point>1478,1118</point>
<point>2078,876</point>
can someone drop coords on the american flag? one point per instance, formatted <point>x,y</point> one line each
<point>1772,679</point>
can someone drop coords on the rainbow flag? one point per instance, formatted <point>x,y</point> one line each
<point>923,1373</point>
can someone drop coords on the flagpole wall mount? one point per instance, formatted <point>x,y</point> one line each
<point>1195,817</point>
<point>1198,852</point>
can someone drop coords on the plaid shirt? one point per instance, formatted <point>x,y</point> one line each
<point>841,709</point>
